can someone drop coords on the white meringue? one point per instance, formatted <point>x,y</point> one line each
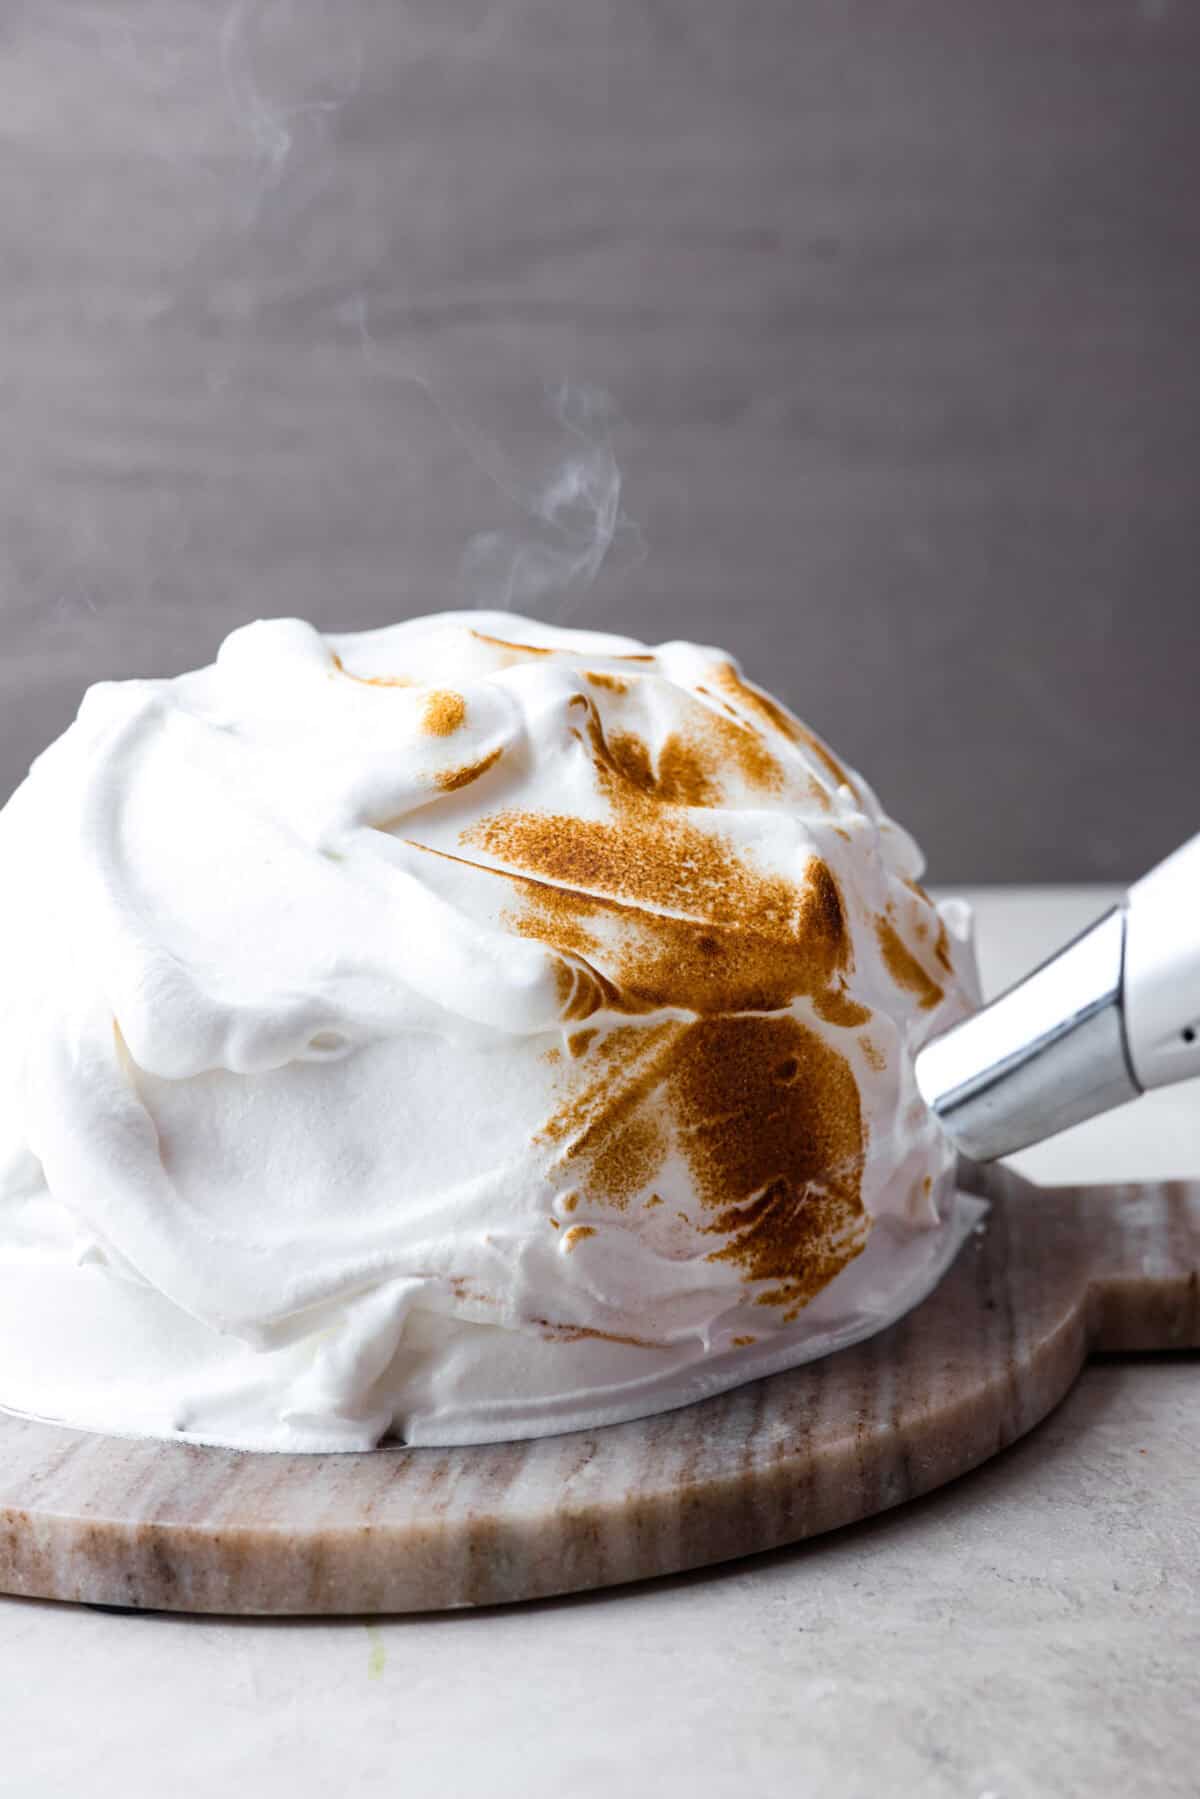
<point>463,1030</point>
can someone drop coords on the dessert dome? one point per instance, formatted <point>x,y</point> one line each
<point>462,1030</point>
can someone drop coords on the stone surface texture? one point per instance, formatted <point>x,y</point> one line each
<point>1052,1275</point>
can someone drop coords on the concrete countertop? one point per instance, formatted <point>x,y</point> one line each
<point>1031,1630</point>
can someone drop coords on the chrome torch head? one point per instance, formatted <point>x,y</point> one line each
<point>1047,1054</point>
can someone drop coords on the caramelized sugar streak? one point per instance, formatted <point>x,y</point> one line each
<point>654,911</point>
<point>941,943</point>
<point>727,938</point>
<point>755,701</point>
<point>614,1128</point>
<point>771,1124</point>
<point>450,780</point>
<point>780,942</point>
<point>767,1117</point>
<point>903,966</point>
<point>371,680</point>
<point>693,765</point>
<point>515,649</point>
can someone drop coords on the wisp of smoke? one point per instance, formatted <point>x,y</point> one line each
<point>316,56</point>
<point>573,519</point>
<point>576,517</point>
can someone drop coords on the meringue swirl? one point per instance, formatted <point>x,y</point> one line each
<point>461,1030</point>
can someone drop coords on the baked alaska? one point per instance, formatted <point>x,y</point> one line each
<point>464,1030</point>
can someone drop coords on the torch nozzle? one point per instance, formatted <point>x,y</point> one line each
<point>1047,1054</point>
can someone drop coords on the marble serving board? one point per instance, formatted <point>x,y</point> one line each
<point>1053,1275</point>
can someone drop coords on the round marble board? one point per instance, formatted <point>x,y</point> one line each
<point>1052,1275</point>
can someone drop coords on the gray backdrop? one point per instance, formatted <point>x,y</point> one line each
<point>882,312</point>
